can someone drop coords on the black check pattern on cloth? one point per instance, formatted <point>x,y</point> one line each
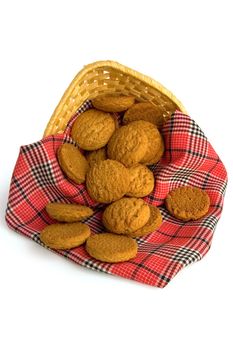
<point>43,171</point>
<point>189,159</point>
<point>186,255</point>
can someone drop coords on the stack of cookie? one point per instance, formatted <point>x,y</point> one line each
<point>111,157</point>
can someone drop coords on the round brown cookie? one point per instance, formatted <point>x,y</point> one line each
<point>111,248</point>
<point>65,236</point>
<point>144,111</point>
<point>96,156</point>
<point>141,181</point>
<point>113,103</point>
<point>126,215</point>
<point>68,212</point>
<point>158,155</point>
<point>128,145</point>
<point>72,162</point>
<point>92,129</point>
<point>152,224</point>
<point>187,203</point>
<point>107,181</point>
<point>153,136</point>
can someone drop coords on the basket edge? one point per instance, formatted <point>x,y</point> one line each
<point>113,64</point>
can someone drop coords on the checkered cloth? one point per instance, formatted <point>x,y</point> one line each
<point>189,159</point>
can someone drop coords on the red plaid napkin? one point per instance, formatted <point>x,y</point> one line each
<point>189,159</point>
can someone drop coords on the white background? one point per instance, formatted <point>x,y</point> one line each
<point>47,302</point>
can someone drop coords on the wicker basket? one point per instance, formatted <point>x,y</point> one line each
<point>107,76</point>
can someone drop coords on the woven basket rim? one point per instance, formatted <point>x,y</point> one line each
<point>145,78</point>
<point>117,66</point>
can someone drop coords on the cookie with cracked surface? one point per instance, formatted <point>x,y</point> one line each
<point>128,145</point>
<point>96,156</point>
<point>65,236</point>
<point>158,155</point>
<point>111,248</point>
<point>126,215</point>
<point>152,224</point>
<point>188,203</point>
<point>113,102</point>
<point>92,129</point>
<point>72,162</point>
<point>68,212</point>
<point>107,181</point>
<point>141,181</point>
<point>154,138</point>
<point>144,111</point>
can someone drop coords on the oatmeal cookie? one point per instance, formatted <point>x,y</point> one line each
<point>141,181</point>
<point>128,145</point>
<point>65,236</point>
<point>188,203</point>
<point>152,224</point>
<point>111,248</point>
<point>92,129</point>
<point>126,215</point>
<point>72,162</point>
<point>144,111</point>
<point>68,212</point>
<point>107,181</point>
<point>113,103</point>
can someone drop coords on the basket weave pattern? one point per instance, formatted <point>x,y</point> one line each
<point>189,159</point>
<point>109,77</point>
